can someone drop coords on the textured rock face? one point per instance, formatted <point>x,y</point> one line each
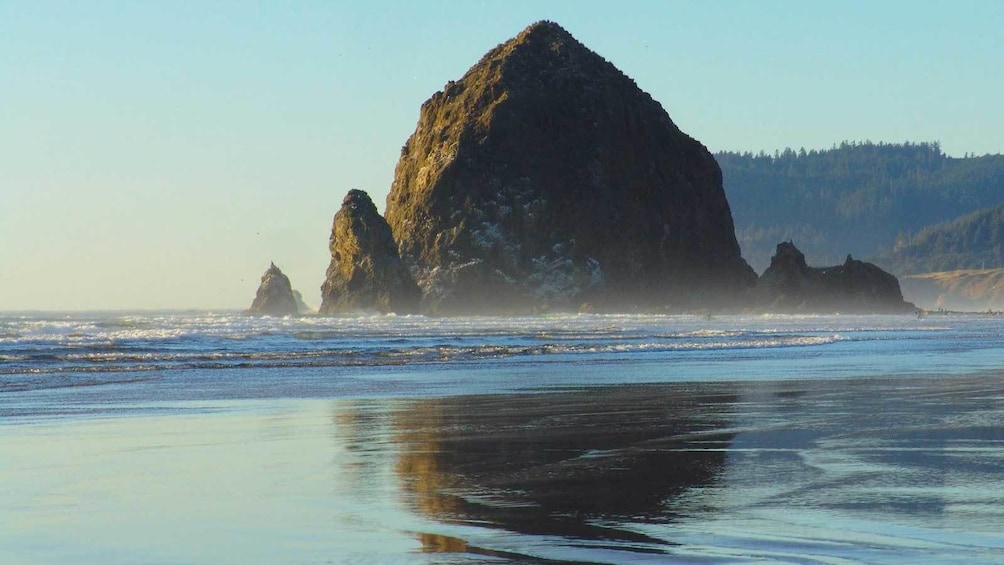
<point>366,272</point>
<point>545,178</point>
<point>790,285</point>
<point>275,296</point>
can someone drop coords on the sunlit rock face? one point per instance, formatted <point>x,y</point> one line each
<point>790,285</point>
<point>275,296</point>
<point>365,273</point>
<point>545,178</point>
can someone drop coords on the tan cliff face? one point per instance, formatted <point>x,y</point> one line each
<point>972,290</point>
<point>545,177</point>
<point>365,273</point>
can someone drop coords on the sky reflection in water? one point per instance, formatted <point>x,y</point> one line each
<point>594,439</point>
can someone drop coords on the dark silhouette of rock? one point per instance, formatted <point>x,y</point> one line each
<point>275,296</point>
<point>545,178</point>
<point>790,285</point>
<point>366,272</point>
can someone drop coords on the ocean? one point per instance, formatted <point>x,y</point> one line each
<point>213,437</point>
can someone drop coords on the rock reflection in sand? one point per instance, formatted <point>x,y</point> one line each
<point>570,465</point>
<point>866,470</point>
<point>882,470</point>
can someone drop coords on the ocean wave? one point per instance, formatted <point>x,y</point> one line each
<point>93,343</point>
<point>106,359</point>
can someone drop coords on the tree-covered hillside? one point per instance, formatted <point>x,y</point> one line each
<point>857,198</point>
<point>973,241</point>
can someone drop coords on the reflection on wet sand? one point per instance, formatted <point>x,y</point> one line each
<point>882,470</point>
<point>864,470</point>
<point>572,465</point>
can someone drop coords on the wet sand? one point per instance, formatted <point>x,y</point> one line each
<point>851,470</point>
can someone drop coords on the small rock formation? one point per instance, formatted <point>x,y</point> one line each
<point>366,272</point>
<point>545,178</point>
<point>301,306</point>
<point>275,296</point>
<point>790,285</point>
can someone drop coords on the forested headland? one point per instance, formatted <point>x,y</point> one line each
<point>973,241</point>
<point>867,199</point>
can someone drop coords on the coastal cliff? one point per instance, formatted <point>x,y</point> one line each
<point>790,285</point>
<point>545,178</point>
<point>971,290</point>
<point>365,273</point>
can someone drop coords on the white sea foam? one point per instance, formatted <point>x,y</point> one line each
<point>155,342</point>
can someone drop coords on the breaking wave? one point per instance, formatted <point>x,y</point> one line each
<point>36,346</point>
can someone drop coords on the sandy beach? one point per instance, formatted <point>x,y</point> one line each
<point>873,470</point>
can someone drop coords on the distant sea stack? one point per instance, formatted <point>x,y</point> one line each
<point>275,296</point>
<point>790,285</point>
<point>366,273</point>
<point>545,178</point>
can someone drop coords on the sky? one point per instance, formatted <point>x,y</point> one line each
<point>158,155</point>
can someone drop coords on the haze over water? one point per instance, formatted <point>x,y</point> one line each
<point>218,438</point>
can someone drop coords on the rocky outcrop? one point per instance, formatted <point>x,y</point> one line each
<point>366,273</point>
<point>790,285</point>
<point>275,296</point>
<point>545,178</point>
<point>302,306</point>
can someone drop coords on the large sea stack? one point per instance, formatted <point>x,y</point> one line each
<point>545,178</point>
<point>275,295</point>
<point>790,285</point>
<point>366,273</point>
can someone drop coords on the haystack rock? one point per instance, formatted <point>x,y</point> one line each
<point>275,296</point>
<point>790,285</point>
<point>365,273</point>
<point>545,178</point>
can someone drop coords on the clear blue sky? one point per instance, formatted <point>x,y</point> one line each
<point>160,154</point>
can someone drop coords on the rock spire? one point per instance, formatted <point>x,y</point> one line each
<point>365,273</point>
<point>275,296</point>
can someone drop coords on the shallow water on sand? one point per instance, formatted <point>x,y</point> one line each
<point>884,444</point>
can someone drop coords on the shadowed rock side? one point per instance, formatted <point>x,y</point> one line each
<point>301,306</point>
<point>790,285</point>
<point>545,178</point>
<point>366,272</point>
<point>275,296</point>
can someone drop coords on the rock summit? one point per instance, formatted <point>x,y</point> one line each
<point>546,178</point>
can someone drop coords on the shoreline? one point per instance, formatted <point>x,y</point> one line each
<point>94,401</point>
<point>595,473</point>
